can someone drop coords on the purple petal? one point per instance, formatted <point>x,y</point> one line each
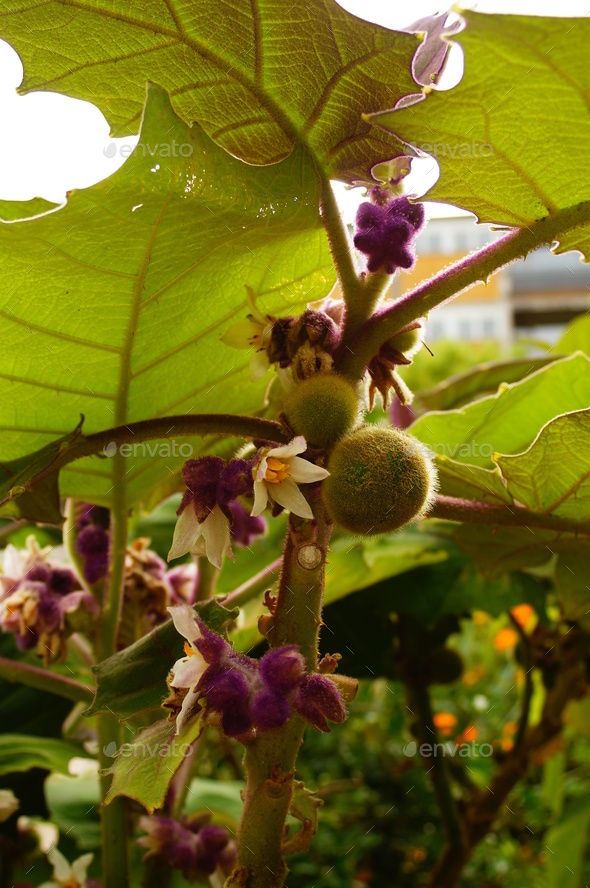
<point>282,669</point>
<point>269,710</point>
<point>368,215</point>
<point>318,700</point>
<point>245,527</point>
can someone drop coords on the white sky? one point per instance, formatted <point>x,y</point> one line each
<point>51,143</point>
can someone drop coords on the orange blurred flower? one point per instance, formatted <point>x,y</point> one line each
<point>523,613</point>
<point>445,722</point>
<point>505,639</point>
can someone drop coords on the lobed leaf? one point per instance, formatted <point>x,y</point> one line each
<point>115,304</point>
<point>258,77</point>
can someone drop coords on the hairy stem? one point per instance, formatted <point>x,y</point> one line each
<point>473,512</point>
<point>270,759</point>
<point>207,578</point>
<point>34,677</point>
<point>476,267</point>
<point>114,825</point>
<point>108,442</point>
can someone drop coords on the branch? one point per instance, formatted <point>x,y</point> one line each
<point>270,759</point>
<point>472,512</point>
<point>145,430</point>
<point>254,586</point>
<point>34,677</point>
<point>476,267</point>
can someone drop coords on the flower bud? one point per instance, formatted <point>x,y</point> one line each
<point>322,409</point>
<point>379,480</point>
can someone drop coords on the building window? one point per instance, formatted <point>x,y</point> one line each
<point>464,330</point>
<point>434,243</point>
<point>489,328</point>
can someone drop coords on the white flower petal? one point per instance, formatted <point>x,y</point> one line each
<point>260,498</point>
<point>187,705</point>
<point>61,868</point>
<point>186,673</point>
<point>297,445</point>
<point>259,365</point>
<point>238,335</point>
<point>260,468</point>
<point>303,472</point>
<point>215,530</point>
<point>80,866</point>
<point>183,617</point>
<point>186,532</point>
<point>288,495</point>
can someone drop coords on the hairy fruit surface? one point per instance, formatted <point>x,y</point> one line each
<point>379,480</point>
<point>323,409</point>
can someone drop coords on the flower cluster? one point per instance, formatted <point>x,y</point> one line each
<point>304,343</point>
<point>385,233</point>
<point>210,514</point>
<point>248,695</point>
<point>190,845</point>
<point>35,599</point>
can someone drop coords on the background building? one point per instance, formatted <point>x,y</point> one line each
<point>534,297</point>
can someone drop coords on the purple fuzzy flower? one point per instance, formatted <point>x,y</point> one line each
<point>196,850</point>
<point>93,545</point>
<point>385,233</point>
<point>37,598</point>
<point>248,694</point>
<point>318,700</point>
<point>205,515</point>
<point>245,527</point>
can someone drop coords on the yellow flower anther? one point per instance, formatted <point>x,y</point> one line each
<point>188,650</point>
<point>276,471</point>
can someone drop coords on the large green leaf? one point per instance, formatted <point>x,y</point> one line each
<point>20,752</point>
<point>512,139</point>
<point>144,767</point>
<point>256,75</point>
<point>73,804</point>
<point>114,305</point>
<point>480,380</point>
<point>508,421</point>
<point>553,475</point>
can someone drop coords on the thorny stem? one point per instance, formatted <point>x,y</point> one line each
<point>474,512</point>
<point>270,759</point>
<point>452,280</point>
<point>44,680</point>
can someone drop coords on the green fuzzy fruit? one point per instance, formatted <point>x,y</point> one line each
<point>379,480</point>
<point>407,341</point>
<point>322,409</point>
<point>446,666</point>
